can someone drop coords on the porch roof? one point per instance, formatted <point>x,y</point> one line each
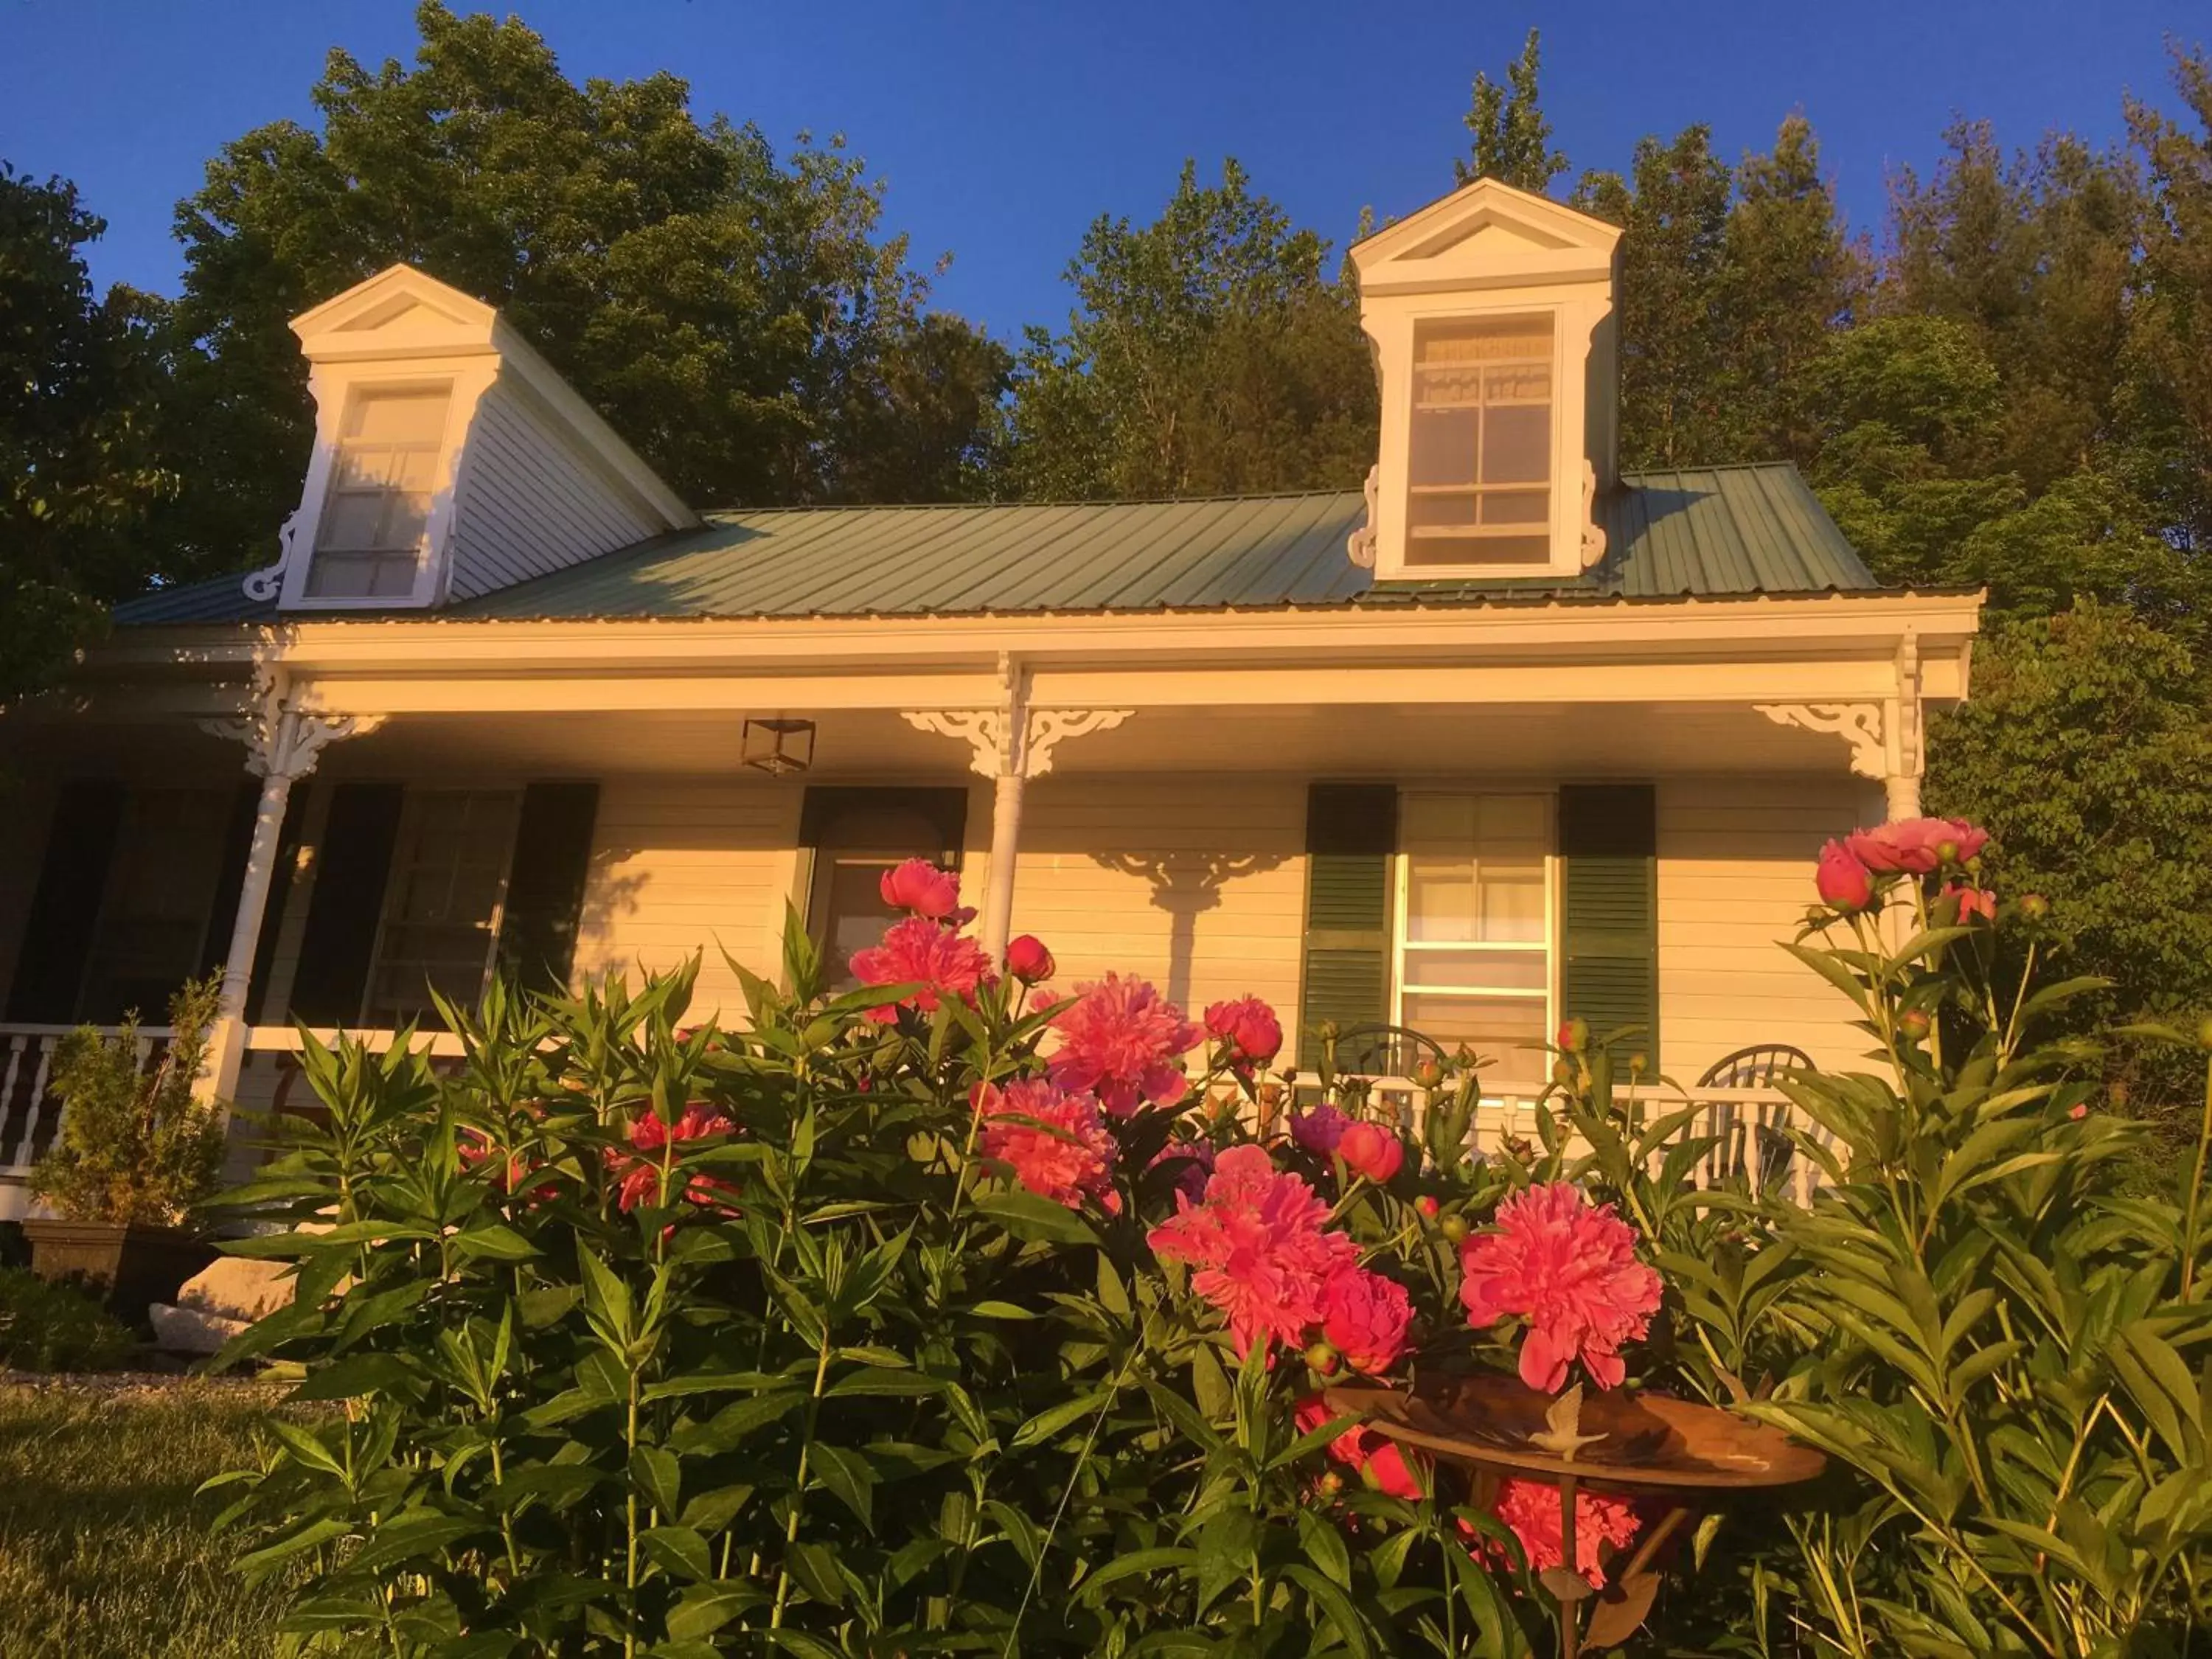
<point>1688,533</point>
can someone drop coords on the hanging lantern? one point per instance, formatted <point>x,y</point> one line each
<point>778,747</point>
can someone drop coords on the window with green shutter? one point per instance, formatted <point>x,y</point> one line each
<point>1609,910</point>
<point>1351,832</point>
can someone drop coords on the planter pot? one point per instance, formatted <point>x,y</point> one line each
<point>130,1264</point>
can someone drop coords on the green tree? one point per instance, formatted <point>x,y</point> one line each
<point>1512,140</point>
<point>1672,210</point>
<point>2168,390</point>
<point>2087,752</point>
<point>1789,277</point>
<point>736,313</point>
<point>1209,353</point>
<point>76,475</point>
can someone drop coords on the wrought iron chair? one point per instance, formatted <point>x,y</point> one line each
<point>1754,1134</point>
<point>1386,1051</point>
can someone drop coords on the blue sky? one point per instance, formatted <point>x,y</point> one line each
<point>1004,129</point>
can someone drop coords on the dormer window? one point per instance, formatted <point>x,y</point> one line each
<point>1491,313</point>
<point>1479,461</point>
<point>377,512</point>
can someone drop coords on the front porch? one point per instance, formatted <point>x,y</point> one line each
<point>1470,820</point>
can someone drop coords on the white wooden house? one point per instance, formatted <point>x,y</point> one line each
<point>1511,735</point>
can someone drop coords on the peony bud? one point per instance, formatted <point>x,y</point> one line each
<point>1638,1062</point>
<point>1429,1074</point>
<point>2034,907</point>
<point>1428,1206</point>
<point>1322,1359</point>
<point>1574,1036</point>
<point>1455,1227</point>
<point>1370,1150</point>
<point>1915,1023</point>
<point>1842,879</point>
<point>1330,1484</point>
<point>1028,960</point>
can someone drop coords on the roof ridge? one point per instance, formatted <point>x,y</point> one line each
<point>1041,502</point>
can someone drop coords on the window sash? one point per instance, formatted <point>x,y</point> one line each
<point>380,495</point>
<point>1415,963</point>
<point>445,899</point>
<point>1463,489</point>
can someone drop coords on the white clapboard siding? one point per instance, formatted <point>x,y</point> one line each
<point>1735,873</point>
<point>684,865</point>
<point>1108,864</point>
<point>530,501</point>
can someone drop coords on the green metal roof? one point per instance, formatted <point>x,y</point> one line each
<point>1689,532</point>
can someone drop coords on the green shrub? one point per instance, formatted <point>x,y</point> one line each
<point>48,1326</point>
<point>134,1146</point>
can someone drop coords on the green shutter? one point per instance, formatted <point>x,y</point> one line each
<point>1352,829</point>
<point>545,886</point>
<point>1609,970</point>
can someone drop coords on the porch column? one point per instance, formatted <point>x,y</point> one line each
<point>1005,847</point>
<point>282,745</point>
<point>1010,744</point>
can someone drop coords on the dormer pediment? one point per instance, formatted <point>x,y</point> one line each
<point>399,312</point>
<point>1485,235</point>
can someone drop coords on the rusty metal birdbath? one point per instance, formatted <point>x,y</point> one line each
<point>1679,1452</point>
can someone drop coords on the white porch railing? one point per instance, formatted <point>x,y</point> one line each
<point>29,1116</point>
<point>1751,1125</point>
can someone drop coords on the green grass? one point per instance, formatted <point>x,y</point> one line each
<point>104,1553</point>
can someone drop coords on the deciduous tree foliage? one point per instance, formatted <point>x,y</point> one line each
<point>1210,352</point>
<point>737,313</point>
<point>1512,140</point>
<point>75,473</point>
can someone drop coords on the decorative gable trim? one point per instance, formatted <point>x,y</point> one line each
<point>1485,234</point>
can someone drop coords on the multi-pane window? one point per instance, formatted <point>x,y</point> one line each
<point>369,544</point>
<point>1479,460</point>
<point>1475,922</point>
<point>153,920</point>
<point>854,835</point>
<point>441,904</point>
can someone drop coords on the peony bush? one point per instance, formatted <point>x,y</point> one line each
<point>961,1313</point>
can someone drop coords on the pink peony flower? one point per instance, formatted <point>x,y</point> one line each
<point>1843,881</point>
<point>1194,1159</point>
<point>1371,1149</point>
<point>1916,846</point>
<point>1248,1030</point>
<point>1570,1270</point>
<point>1257,1242</point>
<point>1972,900</point>
<point>1320,1129</point>
<point>921,887</point>
<point>1028,961</point>
<point>1381,1462</point>
<point>920,952</point>
<point>511,1174</point>
<point>1055,1142</point>
<point>1117,1039</point>
<point>639,1169</point>
<point>1365,1317</point>
<point>1531,1509</point>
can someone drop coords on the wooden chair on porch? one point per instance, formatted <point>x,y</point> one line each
<point>1755,1134</point>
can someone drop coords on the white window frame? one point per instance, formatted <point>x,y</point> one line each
<point>335,387</point>
<point>1400,918</point>
<point>1570,347</point>
<point>410,810</point>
